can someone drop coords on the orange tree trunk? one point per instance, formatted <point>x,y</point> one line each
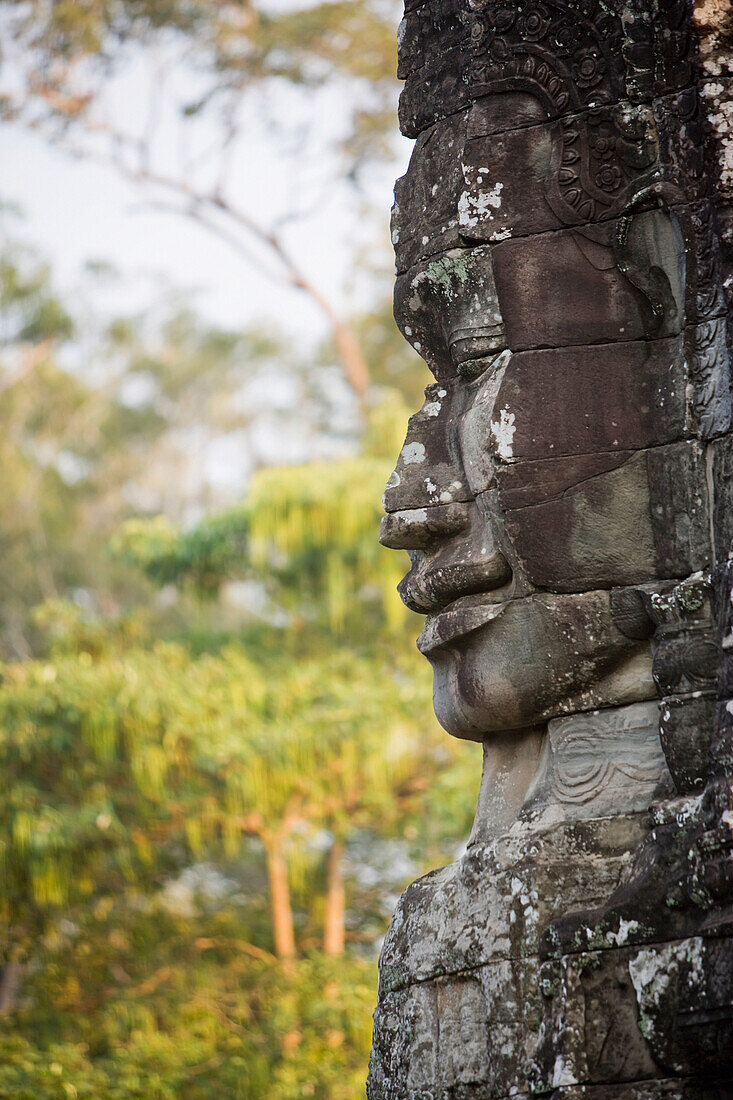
<point>334,932</point>
<point>282,913</point>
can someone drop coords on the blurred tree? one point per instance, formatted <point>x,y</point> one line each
<point>180,818</point>
<point>126,761</point>
<point>239,57</point>
<point>158,414</point>
<point>309,534</point>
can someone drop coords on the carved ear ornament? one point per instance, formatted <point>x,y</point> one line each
<point>650,280</point>
<point>640,611</point>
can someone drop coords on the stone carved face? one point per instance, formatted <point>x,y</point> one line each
<point>553,461</point>
<point>561,270</point>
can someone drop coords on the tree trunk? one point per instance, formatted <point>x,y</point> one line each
<point>11,979</point>
<point>352,358</point>
<point>334,931</point>
<point>282,913</point>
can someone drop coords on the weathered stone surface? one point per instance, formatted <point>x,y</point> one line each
<point>686,661</point>
<point>581,523</point>
<point>600,521</point>
<point>448,309</point>
<point>566,287</point>
<point>550,655</point>
<point>553,397</point>
<point>425,216</point>
<point>680,508</point>
<point>647,1090</point>
<point>722,478</point>
<point>462,996</point>
<point>584,1039</point>
<point>488,906</point>
<point>686,668</point>
<point>581,820</point>
<point>428,470</point>
<point>456,1037</point>
<point>685,731</point>
<point>709,358</point>
<point>598,765</point>
<point>607,156</point>
<point>578,171</point>
<point>564,242</point>
<point>570,55</point>
<point>658,1018</point>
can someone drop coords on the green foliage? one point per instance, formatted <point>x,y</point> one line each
<point>31,311</point>
<point>316,527</point>
<point>128,761</point>
<point>80,449</point>
<point>210,1020</point>
<point>206,555</point>
<point>123,756</point>
<point>151,767</point>
<point>309,533</point>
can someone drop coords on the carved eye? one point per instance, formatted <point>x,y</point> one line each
<point>473,369</point>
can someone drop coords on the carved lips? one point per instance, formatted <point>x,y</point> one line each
<point>460,618</point>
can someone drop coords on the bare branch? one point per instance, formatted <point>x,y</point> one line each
<point>207,208</point>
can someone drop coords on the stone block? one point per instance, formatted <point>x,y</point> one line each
<point>705,277</point>
<point>500,169</point>
<point>717,96</point>
<point>462,1037</point>
<point>566,178</point>
<point>566,288</point>
<point>722,480</point>
<point>605,521</point>
<point>647,1090</point>
<point>428,470</point>
<point>627,1013</point>
<point>723,605</point>
<point>685,661</point>
<point>684,993</point>
<point>583,400</point>
<point>487,906</point>
<point>425,211</point>
<point>591,1030</point>
<point>448,309</point>
<point>708,354</point>
<point>679,507</point>
<point>601,761</point>
<point>578,170</point>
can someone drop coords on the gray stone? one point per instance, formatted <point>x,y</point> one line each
<point>570,56</point>
<point>564,243</point>
<point>566,287</point>
<point>553,397</point>
<point>601,521</point>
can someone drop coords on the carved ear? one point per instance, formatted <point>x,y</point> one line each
<point>650,252</point>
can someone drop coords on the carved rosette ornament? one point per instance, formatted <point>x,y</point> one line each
<point>564,246</point>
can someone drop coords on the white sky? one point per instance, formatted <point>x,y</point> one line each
<point>78,210</point>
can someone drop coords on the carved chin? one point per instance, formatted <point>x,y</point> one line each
<point>543,657</point>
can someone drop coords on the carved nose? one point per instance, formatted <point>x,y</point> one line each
<point>420,528</point>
